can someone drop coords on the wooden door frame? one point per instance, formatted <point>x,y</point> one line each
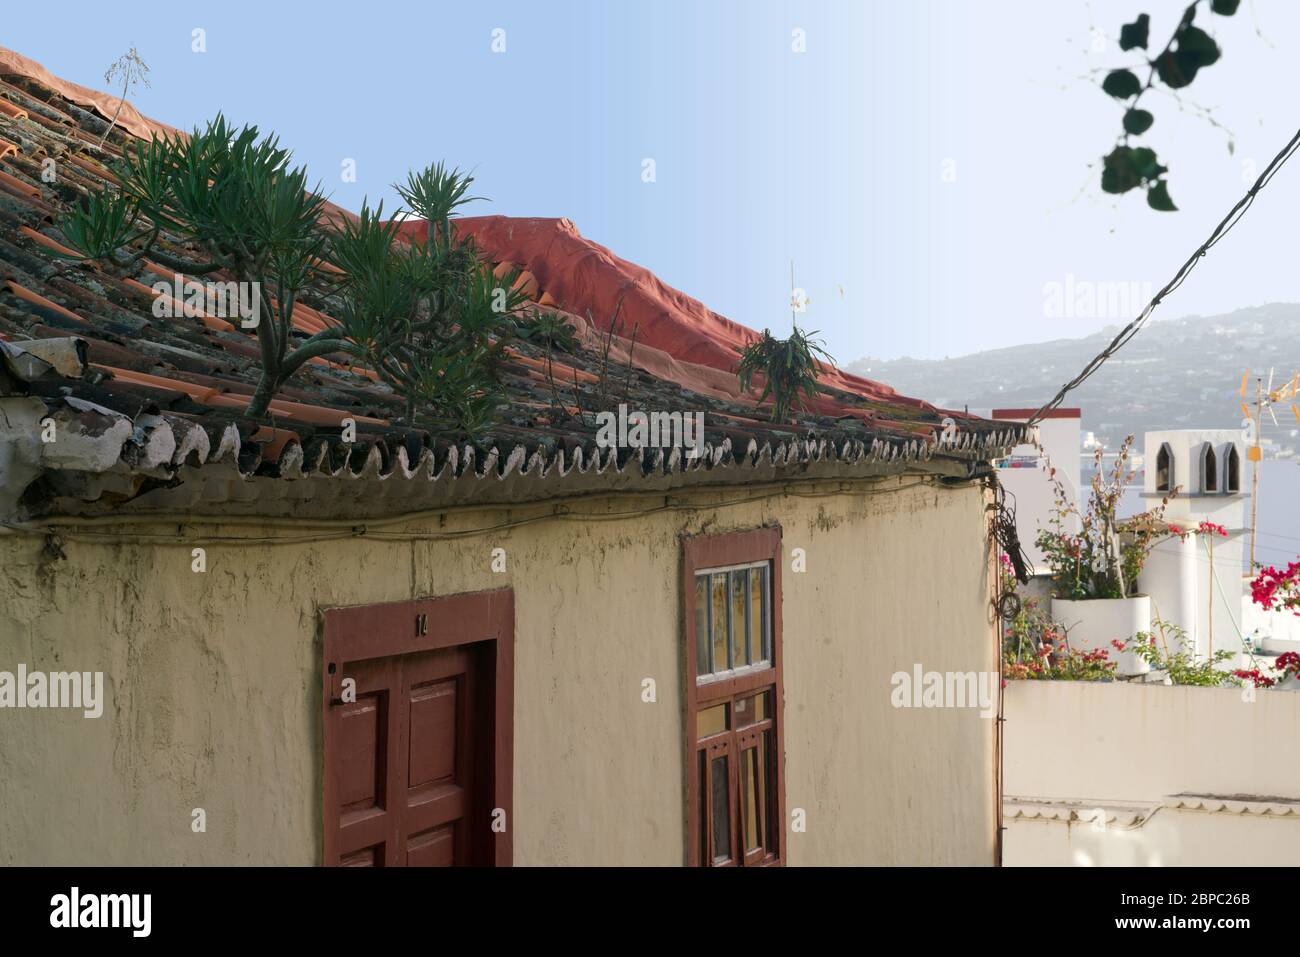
<point>362,632</point>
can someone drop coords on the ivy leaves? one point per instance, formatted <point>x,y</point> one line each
<point>1188,51</point>
<point>1137,121</point>
<point>1194,49</point>
<point>1135,34</point>
<point>1122,84</point>
<point>1158,198</point>
<point>1127,168</point>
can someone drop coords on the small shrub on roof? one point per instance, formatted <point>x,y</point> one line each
<point>431,318</point>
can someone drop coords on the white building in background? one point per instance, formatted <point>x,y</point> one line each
<point>1196,582</point>
<point>1024,473</point>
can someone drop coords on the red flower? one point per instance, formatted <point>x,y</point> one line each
<point>1272,588</point>
<point>1254,676</point>
<point>1287,663</point>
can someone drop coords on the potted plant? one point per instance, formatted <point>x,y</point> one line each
<point>1095,558</point>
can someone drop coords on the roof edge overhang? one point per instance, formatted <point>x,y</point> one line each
<point>103,462</point>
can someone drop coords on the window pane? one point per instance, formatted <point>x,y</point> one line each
<point>720,622</point>
<point>751,791</point>
<point>701,624</point>
<point>767,783</point>
<point>721,810</point>
<point>703,808</point>
<point>758,612</point>
<point>739,635</point>
<point>753,709</point>
<point>711,721</point>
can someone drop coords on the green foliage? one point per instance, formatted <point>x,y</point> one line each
<point>1158,197</point>
<point>1127,167</point>
<point>101,225</point>
<point>1189,50</point>
<point>549,331</point>
<point>1067,664</point>
<point>431,319</point>
<point>435,194</point>
<point>788,367</point>
<point>1181,667</point>
<point>1135,34</point>
<point>1137,121</point>
<point>1121,84</point>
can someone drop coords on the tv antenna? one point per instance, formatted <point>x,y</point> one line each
<point>1266,397</point>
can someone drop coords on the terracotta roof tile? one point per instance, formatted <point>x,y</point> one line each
<point>198,373</point>
<point>36,299</point>
<point>46,241</point>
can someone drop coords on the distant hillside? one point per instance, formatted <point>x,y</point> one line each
<point>1177,373</point>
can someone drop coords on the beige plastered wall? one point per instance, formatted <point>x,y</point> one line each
<point>213,680</point>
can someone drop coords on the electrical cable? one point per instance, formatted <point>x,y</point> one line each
<point>1128,332</point>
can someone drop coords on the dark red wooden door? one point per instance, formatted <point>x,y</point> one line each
<point>417,766</point>
<point>404,766</point>
<point>441,741</point>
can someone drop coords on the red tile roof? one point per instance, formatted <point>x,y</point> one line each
<point>189,377</point>
<point>582,276</point>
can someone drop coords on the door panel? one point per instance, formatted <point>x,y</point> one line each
<point>366,759</point>
<point>405,759</point>
<point>433,848</point>
<point>417,766</point>
<point>441,740</point>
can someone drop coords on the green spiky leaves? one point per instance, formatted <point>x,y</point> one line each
<point>788,367</point>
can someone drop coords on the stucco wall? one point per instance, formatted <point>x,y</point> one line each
<point>213,683</point>
<point>1130,751</point>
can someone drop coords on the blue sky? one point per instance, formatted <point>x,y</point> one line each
<point>924,164</point>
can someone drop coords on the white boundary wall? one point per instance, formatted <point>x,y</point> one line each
<point>1119,774</point>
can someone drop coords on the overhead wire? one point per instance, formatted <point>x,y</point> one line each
<point>1222,229</point>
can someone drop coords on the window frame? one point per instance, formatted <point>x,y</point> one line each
<point>1169,483</point>
<point>764,626</point>
<point>1231,470</point>
<point>1209,469</point>
<point>709,553</point>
